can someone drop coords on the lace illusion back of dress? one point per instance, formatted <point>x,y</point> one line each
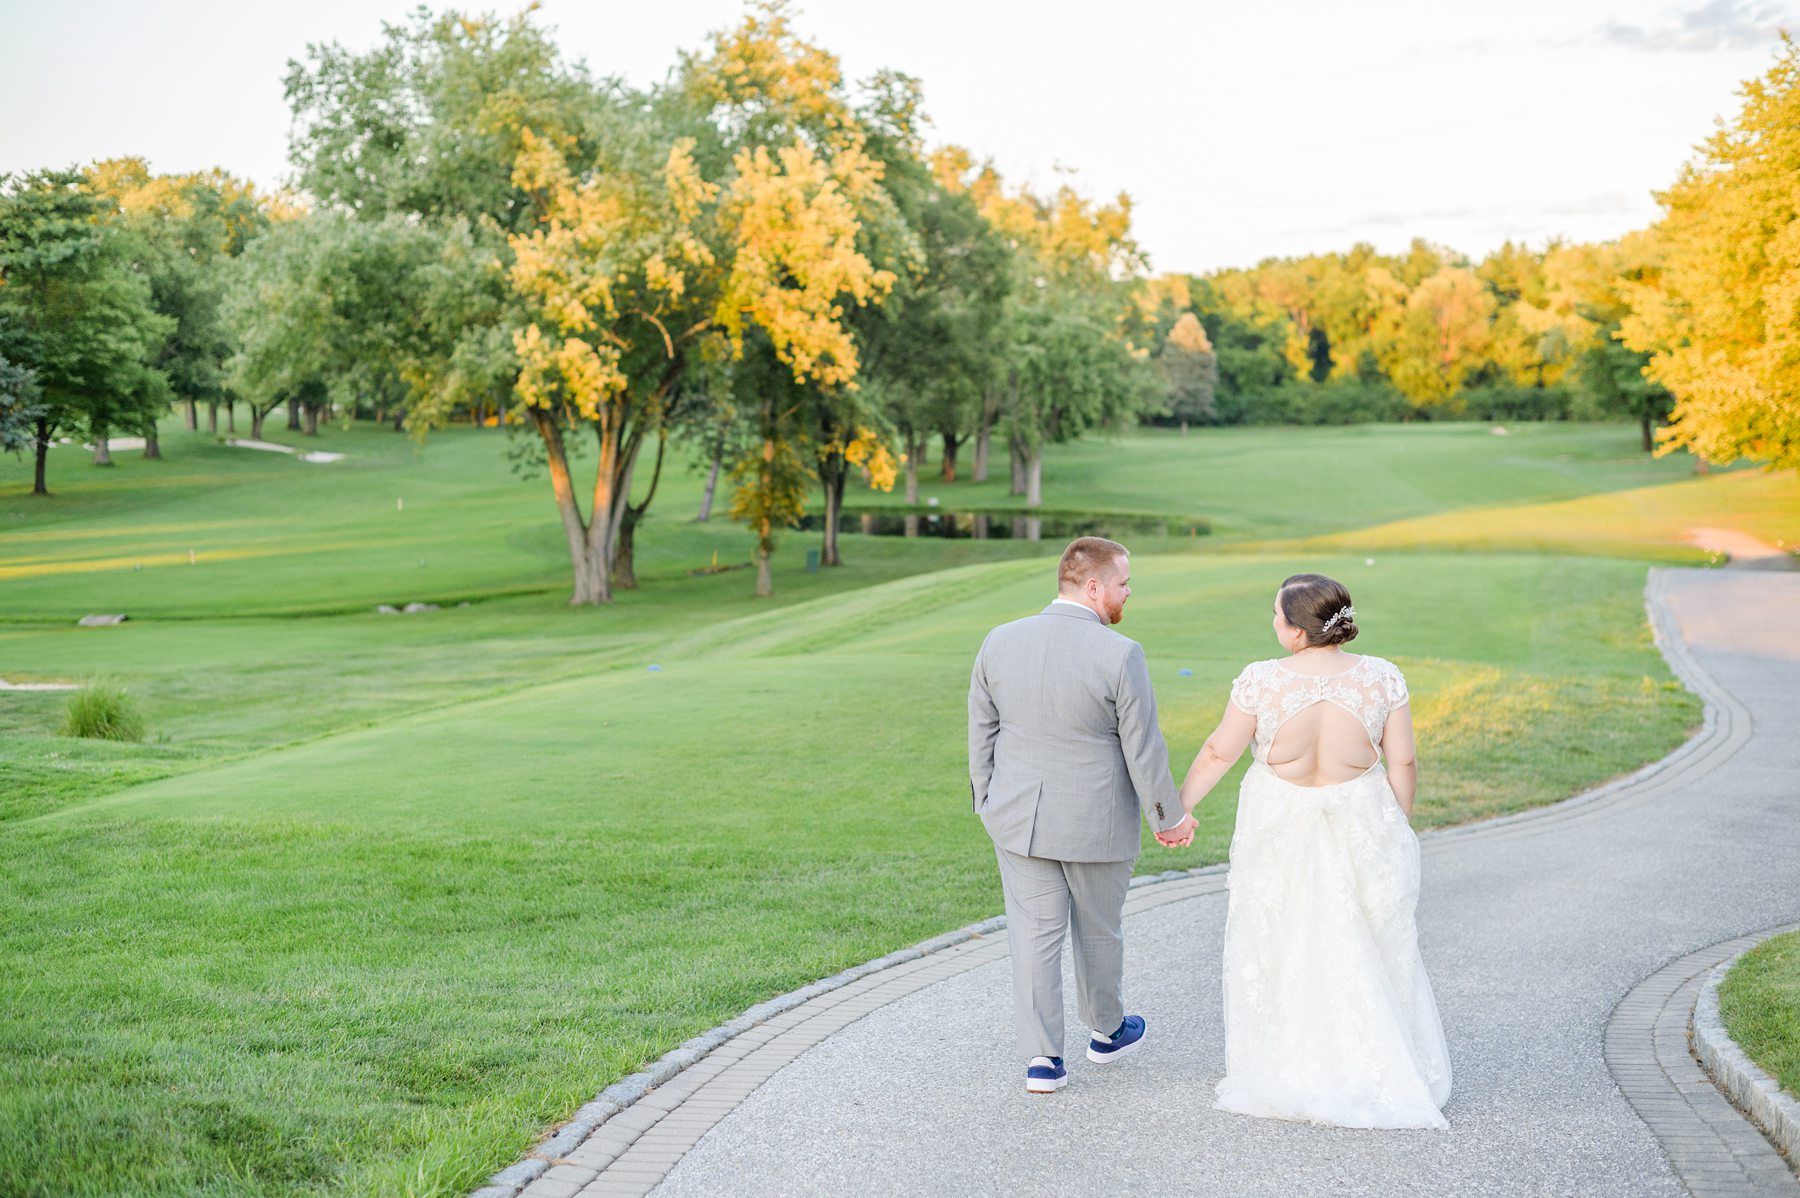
<point>1319,731</point>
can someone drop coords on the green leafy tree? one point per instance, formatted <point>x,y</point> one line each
<point>324,309</point>
<point>1190,371</point>
<point>189,226</point>
<point>76,310</point>
<point>19,406</point>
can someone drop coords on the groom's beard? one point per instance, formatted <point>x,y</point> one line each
<point>1115,611</point>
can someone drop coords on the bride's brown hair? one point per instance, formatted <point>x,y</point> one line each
<point>1310,601</point>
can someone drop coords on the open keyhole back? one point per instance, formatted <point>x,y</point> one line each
<point>1319,729</point>
<point>1322,744</point>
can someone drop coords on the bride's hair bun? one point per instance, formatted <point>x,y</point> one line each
<point>1320,607</point>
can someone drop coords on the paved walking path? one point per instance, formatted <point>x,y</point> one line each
<point>1560,943</point>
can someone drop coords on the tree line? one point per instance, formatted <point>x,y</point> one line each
<point>766,264</point>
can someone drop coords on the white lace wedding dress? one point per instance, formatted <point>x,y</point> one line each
<point>1329,1016</point>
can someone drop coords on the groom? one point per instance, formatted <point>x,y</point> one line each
<point>1064,751</point>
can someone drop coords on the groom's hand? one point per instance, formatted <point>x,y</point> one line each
<point>1181,835</point>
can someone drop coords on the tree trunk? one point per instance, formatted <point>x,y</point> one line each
<point>191,418</point>
<point>984,431</point>
<point>152,450</point>
<point>835,478</point>
<point>231,416</point>
<point>712,486</point>
<point>256,419</point>
<point>1018,467</point>
<point>381,414</point>
<point>951,444</point>
<point>590,577</point>
<point>912,469</point>
<point>43,454</point>
<point>212,417</point>
<point>624,560</point>
<point>400,418</point>
<point>765,581</point>
<point>293,406</point>
<point>1649,440</point>
<point>311,413</point>
<point>1034,480</point>
<point>102,451</point>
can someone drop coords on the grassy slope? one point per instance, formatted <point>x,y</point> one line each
<point>335,966</point>
<point>501,863</point>
<point>1760,1004</point>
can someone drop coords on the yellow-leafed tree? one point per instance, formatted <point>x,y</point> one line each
<point>1719,310</point>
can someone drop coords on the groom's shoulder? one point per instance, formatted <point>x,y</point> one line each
<point>1045,625</point>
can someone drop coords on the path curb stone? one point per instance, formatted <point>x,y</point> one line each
<point>1750,1089</point>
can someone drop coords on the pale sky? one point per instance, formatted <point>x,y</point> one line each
<point>1242,131</point>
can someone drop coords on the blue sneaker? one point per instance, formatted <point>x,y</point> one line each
<point>1046,1075</point>
<point>1110,1048</point>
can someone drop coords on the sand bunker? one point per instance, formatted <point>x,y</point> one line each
<point>317,455</point>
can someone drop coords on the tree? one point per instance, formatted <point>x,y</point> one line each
<point>813,237</point>
<point>932,348</point>
<point>1443,335</point>
<point>324,310</point>
<point>1068,364</point>
<point>19,406</point>
<point>1190,370</point>
<point>1718,310</point>
<point>75,309</point>
<point>189,227</point>
<point>1611,374</point>
<point>428,128</point>
<point>620,280</point>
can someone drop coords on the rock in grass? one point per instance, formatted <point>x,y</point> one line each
<point>102,621</point>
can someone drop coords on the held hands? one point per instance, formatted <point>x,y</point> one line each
<point>1181,835</point>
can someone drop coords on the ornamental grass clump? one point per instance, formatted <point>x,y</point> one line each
<point>103,709</point>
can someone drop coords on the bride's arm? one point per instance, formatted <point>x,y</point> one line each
<point>1220,752</point>
<point>1402,755</point>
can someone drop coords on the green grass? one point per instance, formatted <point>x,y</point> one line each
<point>1271,483</point>
<point>1760,1004</point>
<point>383,896</point>
<point>102,710</point>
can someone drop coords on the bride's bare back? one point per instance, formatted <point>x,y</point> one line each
<point>1322,720</point>
<point>1312,728</point>
<point>1321,745</point>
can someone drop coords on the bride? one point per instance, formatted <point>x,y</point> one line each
<point>1329,1016</point>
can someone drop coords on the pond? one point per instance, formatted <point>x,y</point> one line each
<point>1009,524</point>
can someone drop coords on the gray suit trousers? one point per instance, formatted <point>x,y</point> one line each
<point>1045,899</point>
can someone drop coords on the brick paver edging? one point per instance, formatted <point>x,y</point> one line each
<point>602,1132</point>
<point>1713,1149</point>
<point>1755,1093</point>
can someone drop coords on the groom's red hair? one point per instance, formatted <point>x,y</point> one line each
<point>1088,557</point>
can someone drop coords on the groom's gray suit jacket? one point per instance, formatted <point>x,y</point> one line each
<point>1064,749</point>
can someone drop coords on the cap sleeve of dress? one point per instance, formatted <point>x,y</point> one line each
<point>1393,686</point>
<point>1243,689</point>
